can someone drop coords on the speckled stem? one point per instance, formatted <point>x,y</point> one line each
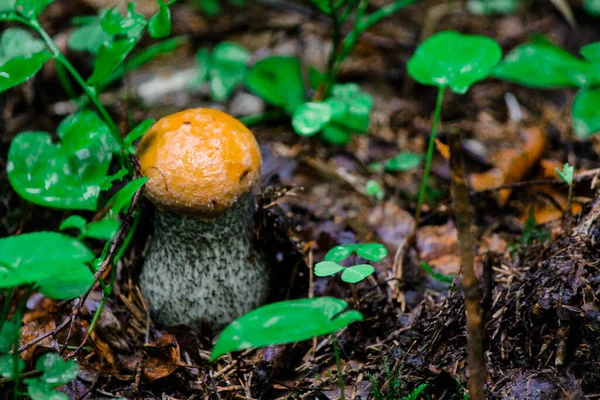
<point>204,271</point>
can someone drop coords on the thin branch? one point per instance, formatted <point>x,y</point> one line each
<point>466,243</point>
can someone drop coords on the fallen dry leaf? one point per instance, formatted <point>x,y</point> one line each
<point>511,165</point>
<point>34,329</point>
<point>162,358</point>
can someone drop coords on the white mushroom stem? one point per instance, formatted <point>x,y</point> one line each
<point>199,270</point>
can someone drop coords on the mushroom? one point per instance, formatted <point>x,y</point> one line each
<point>202,265</point>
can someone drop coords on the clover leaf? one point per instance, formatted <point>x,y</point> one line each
<point>54,262</point>
<point>66,175</point>
<point>21,57</point>
<point>454,60</point>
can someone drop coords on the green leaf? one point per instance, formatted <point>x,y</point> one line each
<point>146,55</point>
<point>487,7</point>
<point>438,276</point>
<point>7,5</point>
<point>285,322</point>
<point>8,333</point>
<point>336,134</point>
<point>110,56</point>
<point>47,259</point>
<point>586,113</point>
<point>21,57</point>
<point>7,366</point>
<point>371,251</point>
<point>591,52</point>
<point>40,391</point>
<point>105,229</point>
<point>311,117</point>
<point>451,59</point>
<point>228,67</point>
<point>160,24</point>
<point>327,268</point>
<point>566,174</point>
<point>124,196</point>
<point>20,69</point>
<point>89,37</point>
<point>592,7</point>
<point>55,370</point>
<point>113,23</point>
<point>32,8</point>
<point>137,132</point>
<point>278,80</point>
<point>353,107</point>
<point>65,175</point>
<point>403,161</point>
<point>73,222</point>
<point>544,65</point>
<point>340,252</point>
<point>15,42</point>
<point>357,273</point>
<point>374,189</point>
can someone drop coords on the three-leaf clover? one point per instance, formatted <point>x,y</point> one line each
<point>356,273</point>
<point>346,111</point>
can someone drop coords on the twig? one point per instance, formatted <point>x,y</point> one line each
<point>463,218</point>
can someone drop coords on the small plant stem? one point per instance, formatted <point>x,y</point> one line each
<point>570,200</point>
<point>383,12</point>
<point>6,306</point>
<point>463,220</point>
<point>65,82</point>
<point>15,351</point>
<point>338,363</point>
<point>430,151</point>
<point>59,58</point>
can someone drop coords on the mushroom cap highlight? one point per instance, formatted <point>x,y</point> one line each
<point>199,162</point>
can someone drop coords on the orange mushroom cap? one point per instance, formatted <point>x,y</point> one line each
<point>199,162</point>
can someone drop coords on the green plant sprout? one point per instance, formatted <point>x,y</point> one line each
<point>450,60</point>
<point>542,64</point>
<point>403,161</point>
<point>288,322</point>
<point>374,189</point>
<point>395,387</point>
<point>356,273</point>
<point>70,174</point>
<point>336,111</point>
<point>57,266</point>
<point>225,69</point>
<point>438,276</point>
<point>567,176</point>
<point>369,251</point>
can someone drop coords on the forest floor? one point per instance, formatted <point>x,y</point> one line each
<point>539,279</point>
